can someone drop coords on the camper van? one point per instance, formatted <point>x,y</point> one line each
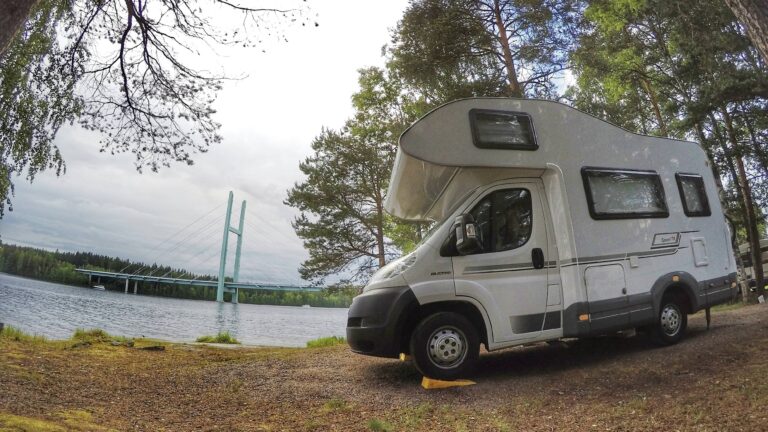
<point>548,223</point>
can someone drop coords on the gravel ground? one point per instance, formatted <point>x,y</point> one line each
<point>713,380</point>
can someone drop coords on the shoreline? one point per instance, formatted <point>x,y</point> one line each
<point>160,296</point>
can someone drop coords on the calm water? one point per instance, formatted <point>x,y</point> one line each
<point>55,311</point>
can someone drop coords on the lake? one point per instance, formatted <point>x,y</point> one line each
<point>55,311</point>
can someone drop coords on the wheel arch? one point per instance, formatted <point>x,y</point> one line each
<point>466,308</point>
<point>680,284</point>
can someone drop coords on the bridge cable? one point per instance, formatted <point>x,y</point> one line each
<point>191,260</point>
<point>207,229</point>
<point>178,232</point>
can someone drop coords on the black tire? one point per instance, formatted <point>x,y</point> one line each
<point>671,322</point>
<point>445,345</point>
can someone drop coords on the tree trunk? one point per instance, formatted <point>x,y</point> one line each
<point>753,14</point>
<point>715,170</point>
<point>751,216</point>
<point>761,156</point>
<point>13,15</point>
<point>380,250</point>
<point>655,103</point>
<point>509,62</point>
<point>739,195</point>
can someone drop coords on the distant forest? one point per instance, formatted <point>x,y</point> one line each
<point>60,267</point>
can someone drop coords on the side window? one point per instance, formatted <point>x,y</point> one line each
<point>693,195</point>
<point>504,219</point>
<point>624,194</point>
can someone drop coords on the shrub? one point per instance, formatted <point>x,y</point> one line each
<point>326,342</point>
<point>222,338</point>
<point>14,334</point>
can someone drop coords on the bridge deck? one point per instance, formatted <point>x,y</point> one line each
<point>195,282</point>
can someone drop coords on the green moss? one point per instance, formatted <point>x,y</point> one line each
<point>221,337</point>
<point>326,342</point>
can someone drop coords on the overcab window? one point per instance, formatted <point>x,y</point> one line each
<point>693,195</point>
<point>624,194</point>
<point>502,130</point>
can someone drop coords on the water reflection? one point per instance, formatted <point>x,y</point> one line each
<point>228,318</point>
<point>55,311</point>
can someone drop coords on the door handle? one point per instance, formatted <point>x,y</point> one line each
<point>537,256</point>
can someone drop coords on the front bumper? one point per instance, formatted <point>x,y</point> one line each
<point>376,321</point>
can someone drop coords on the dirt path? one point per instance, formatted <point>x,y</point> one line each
<point>713,380</point>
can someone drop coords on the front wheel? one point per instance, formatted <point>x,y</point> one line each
<point>445,346</point>
<point>671,322</point>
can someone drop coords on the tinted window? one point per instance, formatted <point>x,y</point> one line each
<point>502,130</point>
<point>504,219</point>
<point>622,194</point>
<point>693,195</point>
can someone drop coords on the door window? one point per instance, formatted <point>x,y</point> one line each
<point>504,219</point>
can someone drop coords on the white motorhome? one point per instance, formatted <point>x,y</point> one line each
<point>550,223</point>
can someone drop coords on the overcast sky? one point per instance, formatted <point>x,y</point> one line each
<point>268,122</point>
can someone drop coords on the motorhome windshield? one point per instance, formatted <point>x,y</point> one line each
<point>435,227</point>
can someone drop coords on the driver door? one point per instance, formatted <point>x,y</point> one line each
<point>509,275</point>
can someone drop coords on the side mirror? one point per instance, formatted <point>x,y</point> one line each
<point>467,240</point>
<point>448,248</point>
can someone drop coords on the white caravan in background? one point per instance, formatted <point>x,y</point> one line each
<point>550,224</point>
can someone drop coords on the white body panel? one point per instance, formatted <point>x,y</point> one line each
<point>439,174</point>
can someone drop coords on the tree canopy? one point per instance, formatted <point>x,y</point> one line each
<point>130,70</point>
<point>685,69</point>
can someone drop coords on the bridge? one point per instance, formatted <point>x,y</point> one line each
<point>229,287</point>
<point>221,283</point>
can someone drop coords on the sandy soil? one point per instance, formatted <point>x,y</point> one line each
<point>713,380</point>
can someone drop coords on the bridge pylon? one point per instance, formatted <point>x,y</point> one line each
<point>224,246</point>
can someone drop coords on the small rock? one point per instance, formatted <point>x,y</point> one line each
<point>153,348</point>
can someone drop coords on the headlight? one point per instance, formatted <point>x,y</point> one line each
<point>395,268</point>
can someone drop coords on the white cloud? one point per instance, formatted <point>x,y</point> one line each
<point>269,119</point>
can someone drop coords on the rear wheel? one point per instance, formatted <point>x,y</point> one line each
<point>671,322</point>
<point>445,346</point>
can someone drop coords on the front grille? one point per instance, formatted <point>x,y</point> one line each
<point>354,322</point>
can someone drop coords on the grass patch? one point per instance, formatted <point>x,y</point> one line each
<point>222,338</point>
<point>91,335</point>
<point>87,337</point>
<point>326,342</point>
<point>336,404</point>
<point>72,420</point>
<point>12,422</point>
<point>728,306</point>
<point>14,334</point>
<point>377,425</point>
<point>413,417</point>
